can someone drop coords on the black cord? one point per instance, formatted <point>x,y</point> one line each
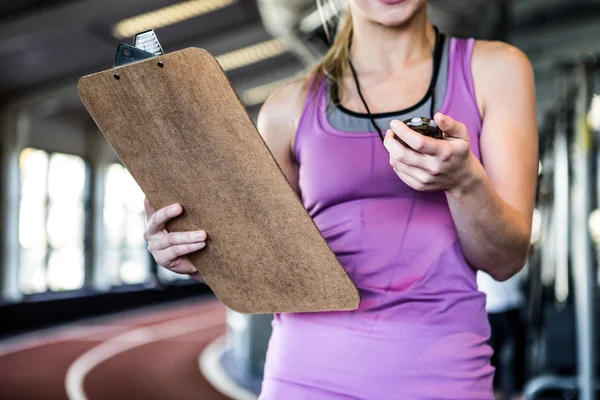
<point>438,50</point>
<point>364,101</point>
<point>440,40</point>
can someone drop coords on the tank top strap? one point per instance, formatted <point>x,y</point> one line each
<point>461,87</point>
<point>460,102</point>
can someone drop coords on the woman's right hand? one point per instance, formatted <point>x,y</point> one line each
<point>170,249</point>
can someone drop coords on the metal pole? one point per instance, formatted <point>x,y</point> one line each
<point>15,126</point>
<point>560,231</point>
<point>582,256</point>
<point>555,250</point>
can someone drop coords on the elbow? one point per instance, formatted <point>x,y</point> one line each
<point>505,273</point>
<point>513,262</point>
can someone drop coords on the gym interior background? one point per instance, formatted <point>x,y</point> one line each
<point>84,311</point>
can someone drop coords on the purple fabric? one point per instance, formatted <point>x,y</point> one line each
<point>421,330</point>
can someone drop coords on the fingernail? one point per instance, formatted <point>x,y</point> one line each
<point>200,235</point>
<point>200,245</point>
<point>394,124</point>
<point>174,209</point>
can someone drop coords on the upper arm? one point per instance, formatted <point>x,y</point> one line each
<point>277,123</point>
<point>505,86</point>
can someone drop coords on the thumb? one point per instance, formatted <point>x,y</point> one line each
<point>450,127</point>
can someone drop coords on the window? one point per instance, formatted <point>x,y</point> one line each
<point>126,258</point>
<point>51,221</point>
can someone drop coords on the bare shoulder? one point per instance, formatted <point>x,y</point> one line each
<point>277,123</point>
<point>499,67</point>
<point>496,56</point>
<point>280,113</point>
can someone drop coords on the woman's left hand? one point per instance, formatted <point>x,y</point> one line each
<point>431,164</point>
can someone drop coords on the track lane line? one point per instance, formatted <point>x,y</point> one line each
<point>82,329</point>
<point>32,341</point>
<point>74,379</point>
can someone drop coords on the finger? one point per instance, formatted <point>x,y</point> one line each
<point>159,218</point>
<point>450,127</point>
<point>177,238</point>
<point>148,209</point>
<point>182,266</point>
<point>410,181</point>
<point>416,141</point>
<point>175,255</point>
<point>407,156</point>
<point>174,252</point>
<point>393,144</point>
<point>392,138</point>
<point>417,174</point>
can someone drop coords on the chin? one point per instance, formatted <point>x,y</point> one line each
<point>388,12</point>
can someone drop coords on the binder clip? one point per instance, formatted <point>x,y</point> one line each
<point>145,45</point>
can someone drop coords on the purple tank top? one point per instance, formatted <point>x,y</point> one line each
<point>421,329</point>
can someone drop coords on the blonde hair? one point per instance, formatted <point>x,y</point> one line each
<point>334,63</point>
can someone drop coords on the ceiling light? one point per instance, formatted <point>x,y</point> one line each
<point>259,94</point>
<point>252,54</point>
<point>167,16</point>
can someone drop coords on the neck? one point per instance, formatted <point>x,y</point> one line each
<point>384,49</point>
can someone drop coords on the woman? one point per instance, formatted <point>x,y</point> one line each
<point>411,225</point>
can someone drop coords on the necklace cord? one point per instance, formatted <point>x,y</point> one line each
<point>362,98</point>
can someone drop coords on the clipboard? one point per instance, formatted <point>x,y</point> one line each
<point>179,128</point>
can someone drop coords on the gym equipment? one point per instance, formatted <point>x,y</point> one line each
<point>564,335</point>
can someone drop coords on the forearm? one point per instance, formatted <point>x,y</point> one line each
<point>494,237</point>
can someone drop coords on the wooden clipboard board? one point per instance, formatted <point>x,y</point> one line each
<point>181,131</point>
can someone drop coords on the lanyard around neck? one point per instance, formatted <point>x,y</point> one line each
<point>437,56</point>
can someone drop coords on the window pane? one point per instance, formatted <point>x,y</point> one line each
<point>51,221</point>
<point>134,197</point>
<point>134,271</point>
<point>124,225</point>
<point>66,178</point>
<point>32,222</point>
<point>32,272</point>
<point>65,269</point>
<point>32,212</point>
<point>65,224</point>
<point>34,168</point>
<point>135,227</point>
<point>66,184</point>
<point>114,211</point>
<point>112,264</point>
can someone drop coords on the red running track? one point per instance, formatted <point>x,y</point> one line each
<point>149,354</point>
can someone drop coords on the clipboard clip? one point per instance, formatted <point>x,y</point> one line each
<point>145,45</point>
